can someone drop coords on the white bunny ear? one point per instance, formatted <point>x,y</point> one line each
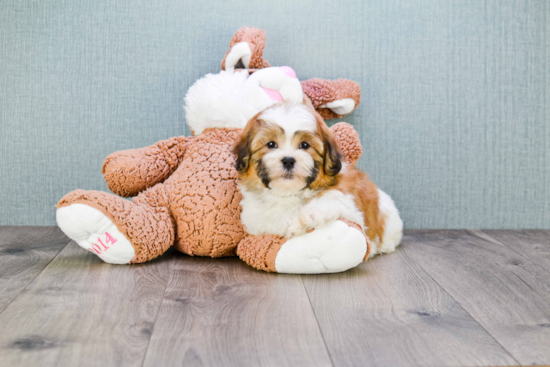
<point>278,83</point>
<point>240,52</point>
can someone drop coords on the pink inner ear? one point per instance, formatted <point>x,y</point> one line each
<point>273,94</point>
<point>288,71</point>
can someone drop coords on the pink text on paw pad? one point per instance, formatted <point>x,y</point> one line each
<point>100,247</point>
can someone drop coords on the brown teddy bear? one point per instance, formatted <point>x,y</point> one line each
<point>185,191</point>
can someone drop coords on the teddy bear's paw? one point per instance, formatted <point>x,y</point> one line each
<point>340,106</point>
<point>94,231</point>
<point>239,56</point>
<point>332,248</point>
<point>333,98</point>
<point>348,140</point>
<point>246,50</point>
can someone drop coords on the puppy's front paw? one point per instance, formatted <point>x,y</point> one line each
<point>296,229</point>
<point>314,218</point>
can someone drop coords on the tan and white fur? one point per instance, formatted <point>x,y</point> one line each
<point>293,179</point>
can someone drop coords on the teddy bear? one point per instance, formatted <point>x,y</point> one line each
<point>184,189</point>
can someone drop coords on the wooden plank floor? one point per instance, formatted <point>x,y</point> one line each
<point>445,298</point>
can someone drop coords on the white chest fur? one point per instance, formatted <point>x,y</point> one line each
<point>268,213</point>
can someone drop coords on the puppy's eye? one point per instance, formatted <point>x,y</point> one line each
<point>272,145</point>
<point>304,145</point>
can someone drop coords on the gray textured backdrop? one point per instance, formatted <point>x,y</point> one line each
<point>454,117</point>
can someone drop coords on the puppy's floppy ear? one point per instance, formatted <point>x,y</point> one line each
<point>333,155</point>
<point>242,147</point>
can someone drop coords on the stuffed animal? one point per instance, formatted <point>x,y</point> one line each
<point>331,98</point>
<point>185,191</point>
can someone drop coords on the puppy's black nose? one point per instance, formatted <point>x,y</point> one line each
<point>288,162</point>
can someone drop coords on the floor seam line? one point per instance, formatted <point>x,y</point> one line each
<point>462,307</point>
<point>36,276</point>
<point>317,321</point>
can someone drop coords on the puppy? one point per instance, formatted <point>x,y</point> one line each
<point>293,180</point>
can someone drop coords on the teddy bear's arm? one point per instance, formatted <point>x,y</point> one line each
<point>128,172</point>
<point>348,140</point>
<point>333,98</point>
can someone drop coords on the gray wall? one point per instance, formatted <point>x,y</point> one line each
<point>454,119</point>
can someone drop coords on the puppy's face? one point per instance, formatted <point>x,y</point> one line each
<point>287,148</point>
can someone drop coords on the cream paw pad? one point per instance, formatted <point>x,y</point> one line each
<point>332,248</point>
<point>94,231</point>
<point>340,106</point>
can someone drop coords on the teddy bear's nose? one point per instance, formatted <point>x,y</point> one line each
<point>288,162</point>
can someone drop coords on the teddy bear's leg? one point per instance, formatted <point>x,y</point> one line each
<point>333,98</point>
<point>335,247</point>
<point>246,48</point>
<point>117,230</point>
